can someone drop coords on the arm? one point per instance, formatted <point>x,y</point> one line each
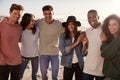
<point>66,49</point>
<point>62,45</point>
<point>84,44</point>
<point>110,50</point>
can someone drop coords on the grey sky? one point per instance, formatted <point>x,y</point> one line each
<point>64,8</point>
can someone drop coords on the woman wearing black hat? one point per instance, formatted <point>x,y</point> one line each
<point>70,45</point>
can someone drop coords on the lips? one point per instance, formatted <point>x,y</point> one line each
<point>92,23</point>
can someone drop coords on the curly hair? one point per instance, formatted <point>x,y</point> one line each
<point>105,26</point>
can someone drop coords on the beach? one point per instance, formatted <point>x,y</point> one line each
<point>27,73</point>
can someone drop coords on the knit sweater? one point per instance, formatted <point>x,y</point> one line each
<point>29,43</point>
<point>9,38</point>
<point>49,34</point>
<point>111,54</point>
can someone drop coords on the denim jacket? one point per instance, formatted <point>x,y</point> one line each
<point>67,53</point>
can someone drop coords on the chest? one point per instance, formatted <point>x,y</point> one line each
<point>10,32</point>
<point>50,31</point>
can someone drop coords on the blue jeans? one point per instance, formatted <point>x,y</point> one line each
<point>44,64</point>
<point>91,77</point>
<point>34,64</point>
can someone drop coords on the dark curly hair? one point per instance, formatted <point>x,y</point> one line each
<point>106,24</point>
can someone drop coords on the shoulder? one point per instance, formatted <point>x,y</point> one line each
<point>62,35</point>
<point>39,21</point>
<point>88,29</point>
<point>57,22</point>
<point>0,26</point>
<point>37,28</point>
<point>19,26</point>
<point>3,24</point>
<point>99,27</point>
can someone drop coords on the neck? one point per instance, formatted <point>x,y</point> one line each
<point>28,28</point>
<point>72,34</point>
<point>11,21</point>
<point>97,25</point>
<point>49,22</point>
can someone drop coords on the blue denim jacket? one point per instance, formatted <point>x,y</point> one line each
<point>67,53</point>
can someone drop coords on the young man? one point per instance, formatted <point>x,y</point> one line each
<point>50,30</point>
<point>94,62</point>
<point>10,32</point>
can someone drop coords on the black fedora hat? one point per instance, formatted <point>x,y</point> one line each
<point>71,19</point>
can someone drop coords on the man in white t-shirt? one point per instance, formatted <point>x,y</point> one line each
<point>93,62</point>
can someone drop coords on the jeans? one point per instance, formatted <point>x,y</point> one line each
<point>70,71</point>
<point>34,64</point>
<point>91,77</point>
<point>12,70</point>
<point>44,64</point>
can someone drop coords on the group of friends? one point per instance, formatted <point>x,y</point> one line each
<point>42,39</point>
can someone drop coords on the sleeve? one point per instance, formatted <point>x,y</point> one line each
<point>61,28</point>
<point>37,23</point>
<point>65,50</point>
<point>110,50</point>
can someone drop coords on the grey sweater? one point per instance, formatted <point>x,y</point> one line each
<point>49,34</point>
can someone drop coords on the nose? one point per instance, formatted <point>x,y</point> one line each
<point>18,15</point>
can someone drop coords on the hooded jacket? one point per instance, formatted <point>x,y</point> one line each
<point>9,38</point>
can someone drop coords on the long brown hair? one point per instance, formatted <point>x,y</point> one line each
<point>26,20</point>
<point>106,24</point>
<point>67,32</point>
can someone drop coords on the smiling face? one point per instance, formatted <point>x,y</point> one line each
<point>31,24</point>
<point>15,15</point>
<point>48,16</point>
<point>93,19</point>
<point>71,26</point>
<point>114,27</point>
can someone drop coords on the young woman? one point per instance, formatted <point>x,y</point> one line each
<point>71,49</point>
<point>29,44</point>
<point>111,47</point>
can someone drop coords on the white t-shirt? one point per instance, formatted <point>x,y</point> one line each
<point>94,62</point>
<point>75,59</point>
<point>29,43</point>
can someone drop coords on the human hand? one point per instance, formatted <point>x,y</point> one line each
<point>103,37</point>
<point>85,40</point>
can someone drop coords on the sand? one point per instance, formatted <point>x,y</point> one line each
<point>27,74</point>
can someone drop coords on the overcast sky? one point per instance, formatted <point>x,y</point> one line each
<point>64,8</point>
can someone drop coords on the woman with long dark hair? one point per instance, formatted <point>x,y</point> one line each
<point>29,44</point>
<point>70,44</point>
<point>111,47</point>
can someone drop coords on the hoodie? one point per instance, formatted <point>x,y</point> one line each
<point>9,39</point>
